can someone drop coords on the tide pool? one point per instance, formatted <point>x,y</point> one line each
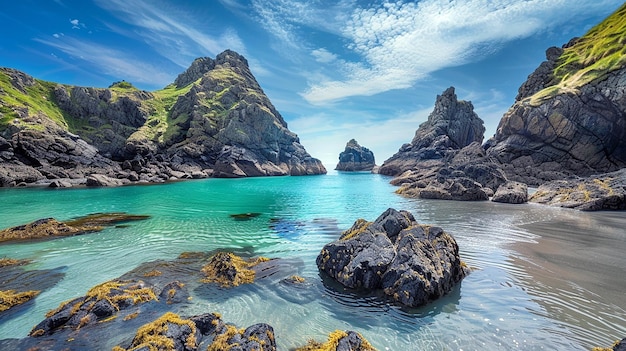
<point>544,278</point>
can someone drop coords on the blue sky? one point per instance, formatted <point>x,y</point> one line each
<point>335,70</point>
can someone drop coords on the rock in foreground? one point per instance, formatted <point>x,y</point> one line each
<point>356,158</point>
<point>412,263</point>
<point>340,341</point>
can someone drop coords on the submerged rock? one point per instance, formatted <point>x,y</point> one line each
<point>11,298</point>
<point>101,302</point>
<point>602,192</point>
<point>355,158</point>
<point>50,227</point>
<point>340,340</point>
<point>229,270</point>
<point>412,263</point>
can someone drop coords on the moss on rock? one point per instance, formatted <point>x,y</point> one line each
<point>11,298</point>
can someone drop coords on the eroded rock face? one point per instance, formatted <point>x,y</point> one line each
<point>578,131</point>
<point>594,193</point>
<point>412,263</point>
<point>356,158</point>
<point>452,125</point>
<point>512,193</point>
<point>215,120</point>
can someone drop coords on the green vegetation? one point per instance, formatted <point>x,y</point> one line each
<point>122,86</point>
<point>592,57</point>
<point>38,98</point>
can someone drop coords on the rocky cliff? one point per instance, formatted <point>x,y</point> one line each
<point>452,125</point>
<point>568,118</point>
<point>214,120</point>
<point>356,158</point>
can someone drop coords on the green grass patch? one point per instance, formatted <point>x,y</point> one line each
<point>599,52</point>
<point>39,98</point>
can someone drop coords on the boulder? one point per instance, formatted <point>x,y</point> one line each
<point>103,180</point>
<point>412,263</point>
<point>355,158</point>
<point>594,193</point>
<point>340,340</point>
<point>512,193</point>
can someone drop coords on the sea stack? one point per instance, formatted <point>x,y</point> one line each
<point>355,158</point>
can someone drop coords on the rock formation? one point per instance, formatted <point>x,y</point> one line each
<point>214,120</point>
<point>511,192</point>
<point>568,118</point>
<point>356,158</point>
<point>452,125</point>
<point>600,192</point>
<point>340,340</point>
<point>445,159</point>
<point>412,263</point>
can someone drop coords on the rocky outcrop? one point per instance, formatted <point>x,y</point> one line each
<point>215,120</point>
<point>47,228</point>
<point>355,158</point>
<point>340,340</point>
<point>452,125</point>
<point>412,263</point>
<point>568,118</point>
<point>512,193</point>
<point>594,193</point>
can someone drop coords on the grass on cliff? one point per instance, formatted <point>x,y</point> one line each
<point>39,98</point>
<point>600,51</point>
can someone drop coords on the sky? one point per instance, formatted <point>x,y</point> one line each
<point>335,70</point>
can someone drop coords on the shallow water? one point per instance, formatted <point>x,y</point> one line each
<point>544,278</point>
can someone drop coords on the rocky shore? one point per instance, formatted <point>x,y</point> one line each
<point>213,121</point>
<point>143,309</point>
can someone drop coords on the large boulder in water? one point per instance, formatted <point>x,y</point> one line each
<point>356,158</point>
<point>412,263</point>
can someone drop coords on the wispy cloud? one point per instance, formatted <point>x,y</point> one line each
<point>401,43</point>
<point>115,63</point>
<point>171,32</point>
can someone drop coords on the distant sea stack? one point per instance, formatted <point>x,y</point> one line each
<point>452,125</point>
<point>569,116</point>
<point>355,158</point>
<point>214,120</point>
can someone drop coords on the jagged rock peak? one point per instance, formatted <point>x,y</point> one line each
<point>198,68</point>
<point>452,125</point>
<point>356,158</point>
<point>202,65</point>
<point>454,118</point>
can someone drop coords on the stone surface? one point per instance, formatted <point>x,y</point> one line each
<point>47,228</point>
<point>412,263</point>
<point>356,158</point>
<point>451,126</point>
<point>512,193</point>
<point>552,135</point>
<point>340,340</point>
<point>445,159</point>
<point>594,193</point>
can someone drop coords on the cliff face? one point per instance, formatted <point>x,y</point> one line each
<point>356,158</point>
<point>452,125</point>
<point>568,118</point>
<point>214,120</point>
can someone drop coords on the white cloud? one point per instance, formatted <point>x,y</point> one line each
<point>76,24</point>
<point>323,56</point>
<point>403,42</point>
<point>174,34</point>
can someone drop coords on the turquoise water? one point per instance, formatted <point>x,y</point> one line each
<point>544,278</point>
